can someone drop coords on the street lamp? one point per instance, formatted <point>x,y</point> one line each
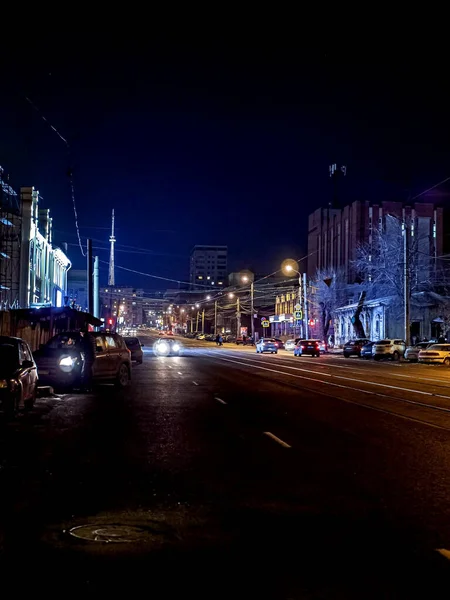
<point>291,266</point>
<point>252,312</point>
<point>231,295</point>
<point>208,297</point>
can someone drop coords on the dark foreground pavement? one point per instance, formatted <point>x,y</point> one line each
<point>225,474</point>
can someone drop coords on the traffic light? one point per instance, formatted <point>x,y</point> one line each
<point>311,322</point>
<point>110,321</point>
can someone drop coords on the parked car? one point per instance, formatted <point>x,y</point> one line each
<point>279,343</point>
<point>412,352</point>
<point>267,345</point>
<point>248,341</point>
<point>323,347</point>
<point>79,359</point>
<point>18,374</point>
<point>436,354</point>
<point>135,347</point>
<point>290,344</point>
<point>393,349</point>
<point>307,347</point>
<point>366,350</point>
<point>353,347</point>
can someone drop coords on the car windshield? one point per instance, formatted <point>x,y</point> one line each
<point>8,356</point>
<point>440,347</point>
<point>69,341</point>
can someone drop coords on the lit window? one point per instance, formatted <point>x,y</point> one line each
<point>220,282</point>
<point>208,277</point>
<point>200,277</point>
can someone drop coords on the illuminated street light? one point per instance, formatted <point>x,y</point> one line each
<point>208,297</point>
<point>244,278</point>
<point>197,305</point>
<point>231,295</point>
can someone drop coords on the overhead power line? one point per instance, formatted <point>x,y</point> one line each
<point>69,172</point>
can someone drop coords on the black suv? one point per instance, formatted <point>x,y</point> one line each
<point>78,359</point>
<point>354,347</point>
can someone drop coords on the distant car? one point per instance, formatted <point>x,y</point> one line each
<point>393,349</point>
<point>412,352</point>
<point>353,347</point>
<point>279,343</point>
<point>76,359</point>
<point>135,347</point>
<point>307,348</point>
<point>167,347</point>
<point>18,374</point>
<point>290,345</point>
<point>323,347</point>
<point>436,354</point>
<point>266,345</point>
<point>366,351</point>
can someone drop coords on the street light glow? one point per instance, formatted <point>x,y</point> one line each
<point>245,278</point>
<point>208,297</point>
<point>231,295</point>
<point>197,305</point>
<point>289,268</point>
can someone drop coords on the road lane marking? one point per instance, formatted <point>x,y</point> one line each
<point>179,373</point>
<point>324,374</point>
<point>444,552</point>
<point>357,403</point>
<point>170,367</point>
<point>195,383</point>
<point>277,439</point>
<point>220,400</point>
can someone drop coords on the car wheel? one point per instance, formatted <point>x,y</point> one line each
<point>30,402</point>
<point>276,351</point>
<point>346,355</point>
<point>447,361</point>
<point>122,376</point>
<point>396,356</point>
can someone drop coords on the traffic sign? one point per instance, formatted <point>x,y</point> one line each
<point>298,307</point>
<point>298,315</point>
<point>265,323</point>
<point>264,319</point>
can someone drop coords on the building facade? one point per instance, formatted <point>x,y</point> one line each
<point>10,244</point>
<point>77,289</point>
<point>43,266</point>
<point>208,267</point>
<point>123,306</point>
<point>335,234</point>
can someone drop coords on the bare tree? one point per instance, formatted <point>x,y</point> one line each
<point>329,288</point>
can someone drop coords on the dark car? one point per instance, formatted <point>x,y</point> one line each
<point>167,347</point>
<point>366,350</point>
<point>307,347</point>
<point>354,347</point>
<point>18,374</point>
<point>79,359</point>
<point>135,347</point>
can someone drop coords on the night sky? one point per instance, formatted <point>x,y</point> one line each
<point>221,143</point>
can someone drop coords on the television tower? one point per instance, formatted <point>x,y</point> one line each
<point>112,241</point>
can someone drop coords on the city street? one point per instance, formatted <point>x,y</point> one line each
<point>225,473</point>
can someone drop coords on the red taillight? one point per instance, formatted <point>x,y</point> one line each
<point>317,345</point>
<point>303,347</point>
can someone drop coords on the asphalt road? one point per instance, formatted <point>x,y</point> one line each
<point>223,473</point>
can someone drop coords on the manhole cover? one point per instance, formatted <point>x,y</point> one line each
<point>114,533</point>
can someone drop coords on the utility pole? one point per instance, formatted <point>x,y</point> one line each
<point>406,298</point>
<point>196,323</point>
<point>112,241</point>
<point>215,317</point>
<point>252,310</point>
<point>90,277</point>
<point>96,290</point>
<point>238,318</point>
<point>203,321</point>
<point>305,304</point>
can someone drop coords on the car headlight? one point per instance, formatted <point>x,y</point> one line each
<point>67,363</point>
<point>176,347</point>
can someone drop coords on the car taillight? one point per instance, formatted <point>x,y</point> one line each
<point>303,347</point>
<point>317,345</point>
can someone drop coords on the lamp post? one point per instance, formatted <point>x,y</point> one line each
<point>290,269</point>
<point>252,311</point>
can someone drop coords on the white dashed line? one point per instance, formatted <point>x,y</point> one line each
<point>220,400</point>
<point>170,367</point>
<point>276,439</point>
<point>195,383</point>
<point>179,373</point>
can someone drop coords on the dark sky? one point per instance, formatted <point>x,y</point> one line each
<point>218,143</point>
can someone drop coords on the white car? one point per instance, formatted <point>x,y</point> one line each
<point>393,349</point>
<point>436,354</point>
<point>289,345</point>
